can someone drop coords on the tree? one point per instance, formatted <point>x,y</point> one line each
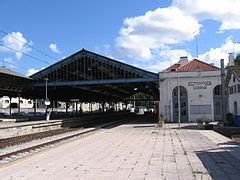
<point>237,60</point>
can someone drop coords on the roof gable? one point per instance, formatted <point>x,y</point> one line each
<point>5,70</point>
<point>194,65</point>
<point>86,57</point>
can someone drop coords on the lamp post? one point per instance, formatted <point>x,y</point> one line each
<point>47,102</point>
<point>179,103</point>
<point>135,89</point>
<point>46,80</point>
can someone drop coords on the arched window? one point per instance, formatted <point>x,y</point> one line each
<point>217,91</point>
<point>217,102</point>
<point>183,104</point>
<point>7,101</point>
<point>183,91</point>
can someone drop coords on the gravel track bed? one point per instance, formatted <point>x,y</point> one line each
<point>34,143</point>
<point>30,137</point>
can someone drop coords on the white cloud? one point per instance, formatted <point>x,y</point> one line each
<point>8,60</point>
<point>215,54</point>
<point>166,58</point>
<point>16,41</point>
<point>31,71</point>
<point>225,11</point>
<point>155,30</point>
<point>54,48</point>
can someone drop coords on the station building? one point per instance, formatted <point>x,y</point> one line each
<point>233,83</point>
<point>200,91</point>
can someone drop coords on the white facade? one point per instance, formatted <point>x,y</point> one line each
<point>24,103</point>
<point>234,95</point>
<point>199,87</point>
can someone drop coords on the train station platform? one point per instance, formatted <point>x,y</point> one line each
<point>135,151</point>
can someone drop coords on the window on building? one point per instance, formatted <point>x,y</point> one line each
<point>235,108</point>
<point>234,79</point>
<point>218,108</point>
<point>235,89</point>
<point>29,102</point>
<point>21,101</point>
<point>183,92</point>
<point>217,90</point>
<point>238,87</point>
<point>7,101</point>
<point>231,90</point>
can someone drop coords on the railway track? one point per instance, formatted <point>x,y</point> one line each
<point>11,156</point>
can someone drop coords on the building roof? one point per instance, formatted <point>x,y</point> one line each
<point>88,76</point>
<point>192,66</point>
<point>172,67</point>
<point>5,70</point>
<point>236,71</point>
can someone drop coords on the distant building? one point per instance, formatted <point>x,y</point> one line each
<point>233,83</point>
<point>200,91</point>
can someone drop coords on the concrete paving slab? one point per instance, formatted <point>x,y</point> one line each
<point>135,151</point>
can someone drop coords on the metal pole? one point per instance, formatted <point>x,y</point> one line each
<point>223,91</point>
<point>35,106</point>
<point>19,102</point>
<point>10,107</point>
<point>196,45</point>
<point>47,115</point>
<point>179,104</point>
<point>46,79</point>
<point>134,104</point>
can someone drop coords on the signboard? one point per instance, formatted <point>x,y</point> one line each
<point>200,85</point>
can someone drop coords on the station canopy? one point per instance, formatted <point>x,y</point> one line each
<point>13,84</point>
<point>90,77</point>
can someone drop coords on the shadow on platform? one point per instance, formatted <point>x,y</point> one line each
<point>220,163</point>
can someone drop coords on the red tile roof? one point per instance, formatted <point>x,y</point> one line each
<point>172,68</point>
<point>193,65</point>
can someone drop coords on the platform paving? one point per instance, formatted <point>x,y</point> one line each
<point>135,151</point>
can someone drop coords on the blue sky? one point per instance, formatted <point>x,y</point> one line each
<point>150,34</point>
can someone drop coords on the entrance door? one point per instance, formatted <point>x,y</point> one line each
<point>217,103</point>
<point>183,104</point>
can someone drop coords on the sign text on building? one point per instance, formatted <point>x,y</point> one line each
<point>200,85</point>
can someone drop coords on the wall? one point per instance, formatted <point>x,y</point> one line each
<point>234,97</point>
<point>200,101</point>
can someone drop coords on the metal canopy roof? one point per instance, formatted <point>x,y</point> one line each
<point>88,76</point>
<point>12,83</point>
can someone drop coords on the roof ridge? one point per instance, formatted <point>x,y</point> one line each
<point>183,64</point>
<point>198,61</point>
<point>206,63</point>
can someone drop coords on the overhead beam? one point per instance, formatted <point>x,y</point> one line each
<point>96,82</point>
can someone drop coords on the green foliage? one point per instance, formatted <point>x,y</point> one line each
<point>203,119</point>
<point>143,100</point>
<point>237,60</point>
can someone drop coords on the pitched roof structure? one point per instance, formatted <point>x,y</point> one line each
<point>5,70</point>
<point>172,67</point>
<point>236,70</point>
<point>12,83</point>
<point>88,76</point>
<point>192,66</point>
